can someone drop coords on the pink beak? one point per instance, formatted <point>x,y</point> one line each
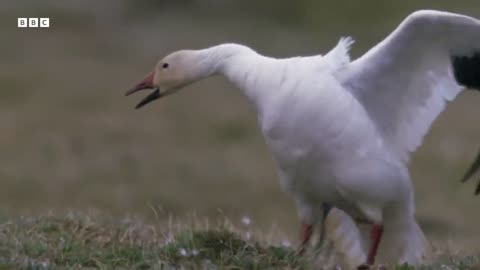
<point>146,83</point>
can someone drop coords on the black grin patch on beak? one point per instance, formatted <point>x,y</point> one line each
<point>151,97</point>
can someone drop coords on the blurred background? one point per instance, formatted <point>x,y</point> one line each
<point>70,139</point>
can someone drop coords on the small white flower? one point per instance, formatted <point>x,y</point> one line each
<point>195,252</point>
<point>209,265</point>
<point>286,243</point>
<point>246,220</point>
<point>169,239</point>
<point>443,266</point>
<point>183,252</point>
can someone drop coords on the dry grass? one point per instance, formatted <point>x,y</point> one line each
<point>93,241</point>
<point>82,241</point>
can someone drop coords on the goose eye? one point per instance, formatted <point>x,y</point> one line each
<point>165,65</point>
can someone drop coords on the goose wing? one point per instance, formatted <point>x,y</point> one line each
<point>405,81</point>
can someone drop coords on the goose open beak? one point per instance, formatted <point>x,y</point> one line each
<point>151,97</point>
<point>146,83</point>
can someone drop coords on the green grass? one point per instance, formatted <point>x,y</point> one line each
<point>79,241</point>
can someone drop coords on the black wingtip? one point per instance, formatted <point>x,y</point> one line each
<point>466,70</point>
<point>473,168</point>
<point>326,208</point>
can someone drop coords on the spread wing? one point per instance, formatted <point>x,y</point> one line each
<point>405,81</point>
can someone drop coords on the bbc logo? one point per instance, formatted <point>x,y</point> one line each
<point>33,22</point>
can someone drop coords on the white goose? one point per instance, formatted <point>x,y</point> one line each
<point>342,132</point>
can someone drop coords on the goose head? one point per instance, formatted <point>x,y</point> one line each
<point>172,73</point>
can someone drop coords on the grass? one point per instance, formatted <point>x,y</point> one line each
<point>80,241</point>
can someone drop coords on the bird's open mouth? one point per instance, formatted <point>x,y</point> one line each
<point>151,97</point>
<point>146,83</point>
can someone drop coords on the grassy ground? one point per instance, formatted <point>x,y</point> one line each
<point>79,241</point>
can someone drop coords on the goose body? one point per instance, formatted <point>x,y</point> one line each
<point>341,132</point>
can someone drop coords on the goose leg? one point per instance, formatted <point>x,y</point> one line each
<point>375,236</point>
<point>325,210</point>
<point>305,235</point>
<point>323,245</point>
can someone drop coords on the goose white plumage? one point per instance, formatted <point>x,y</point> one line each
<point>342,132</point>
